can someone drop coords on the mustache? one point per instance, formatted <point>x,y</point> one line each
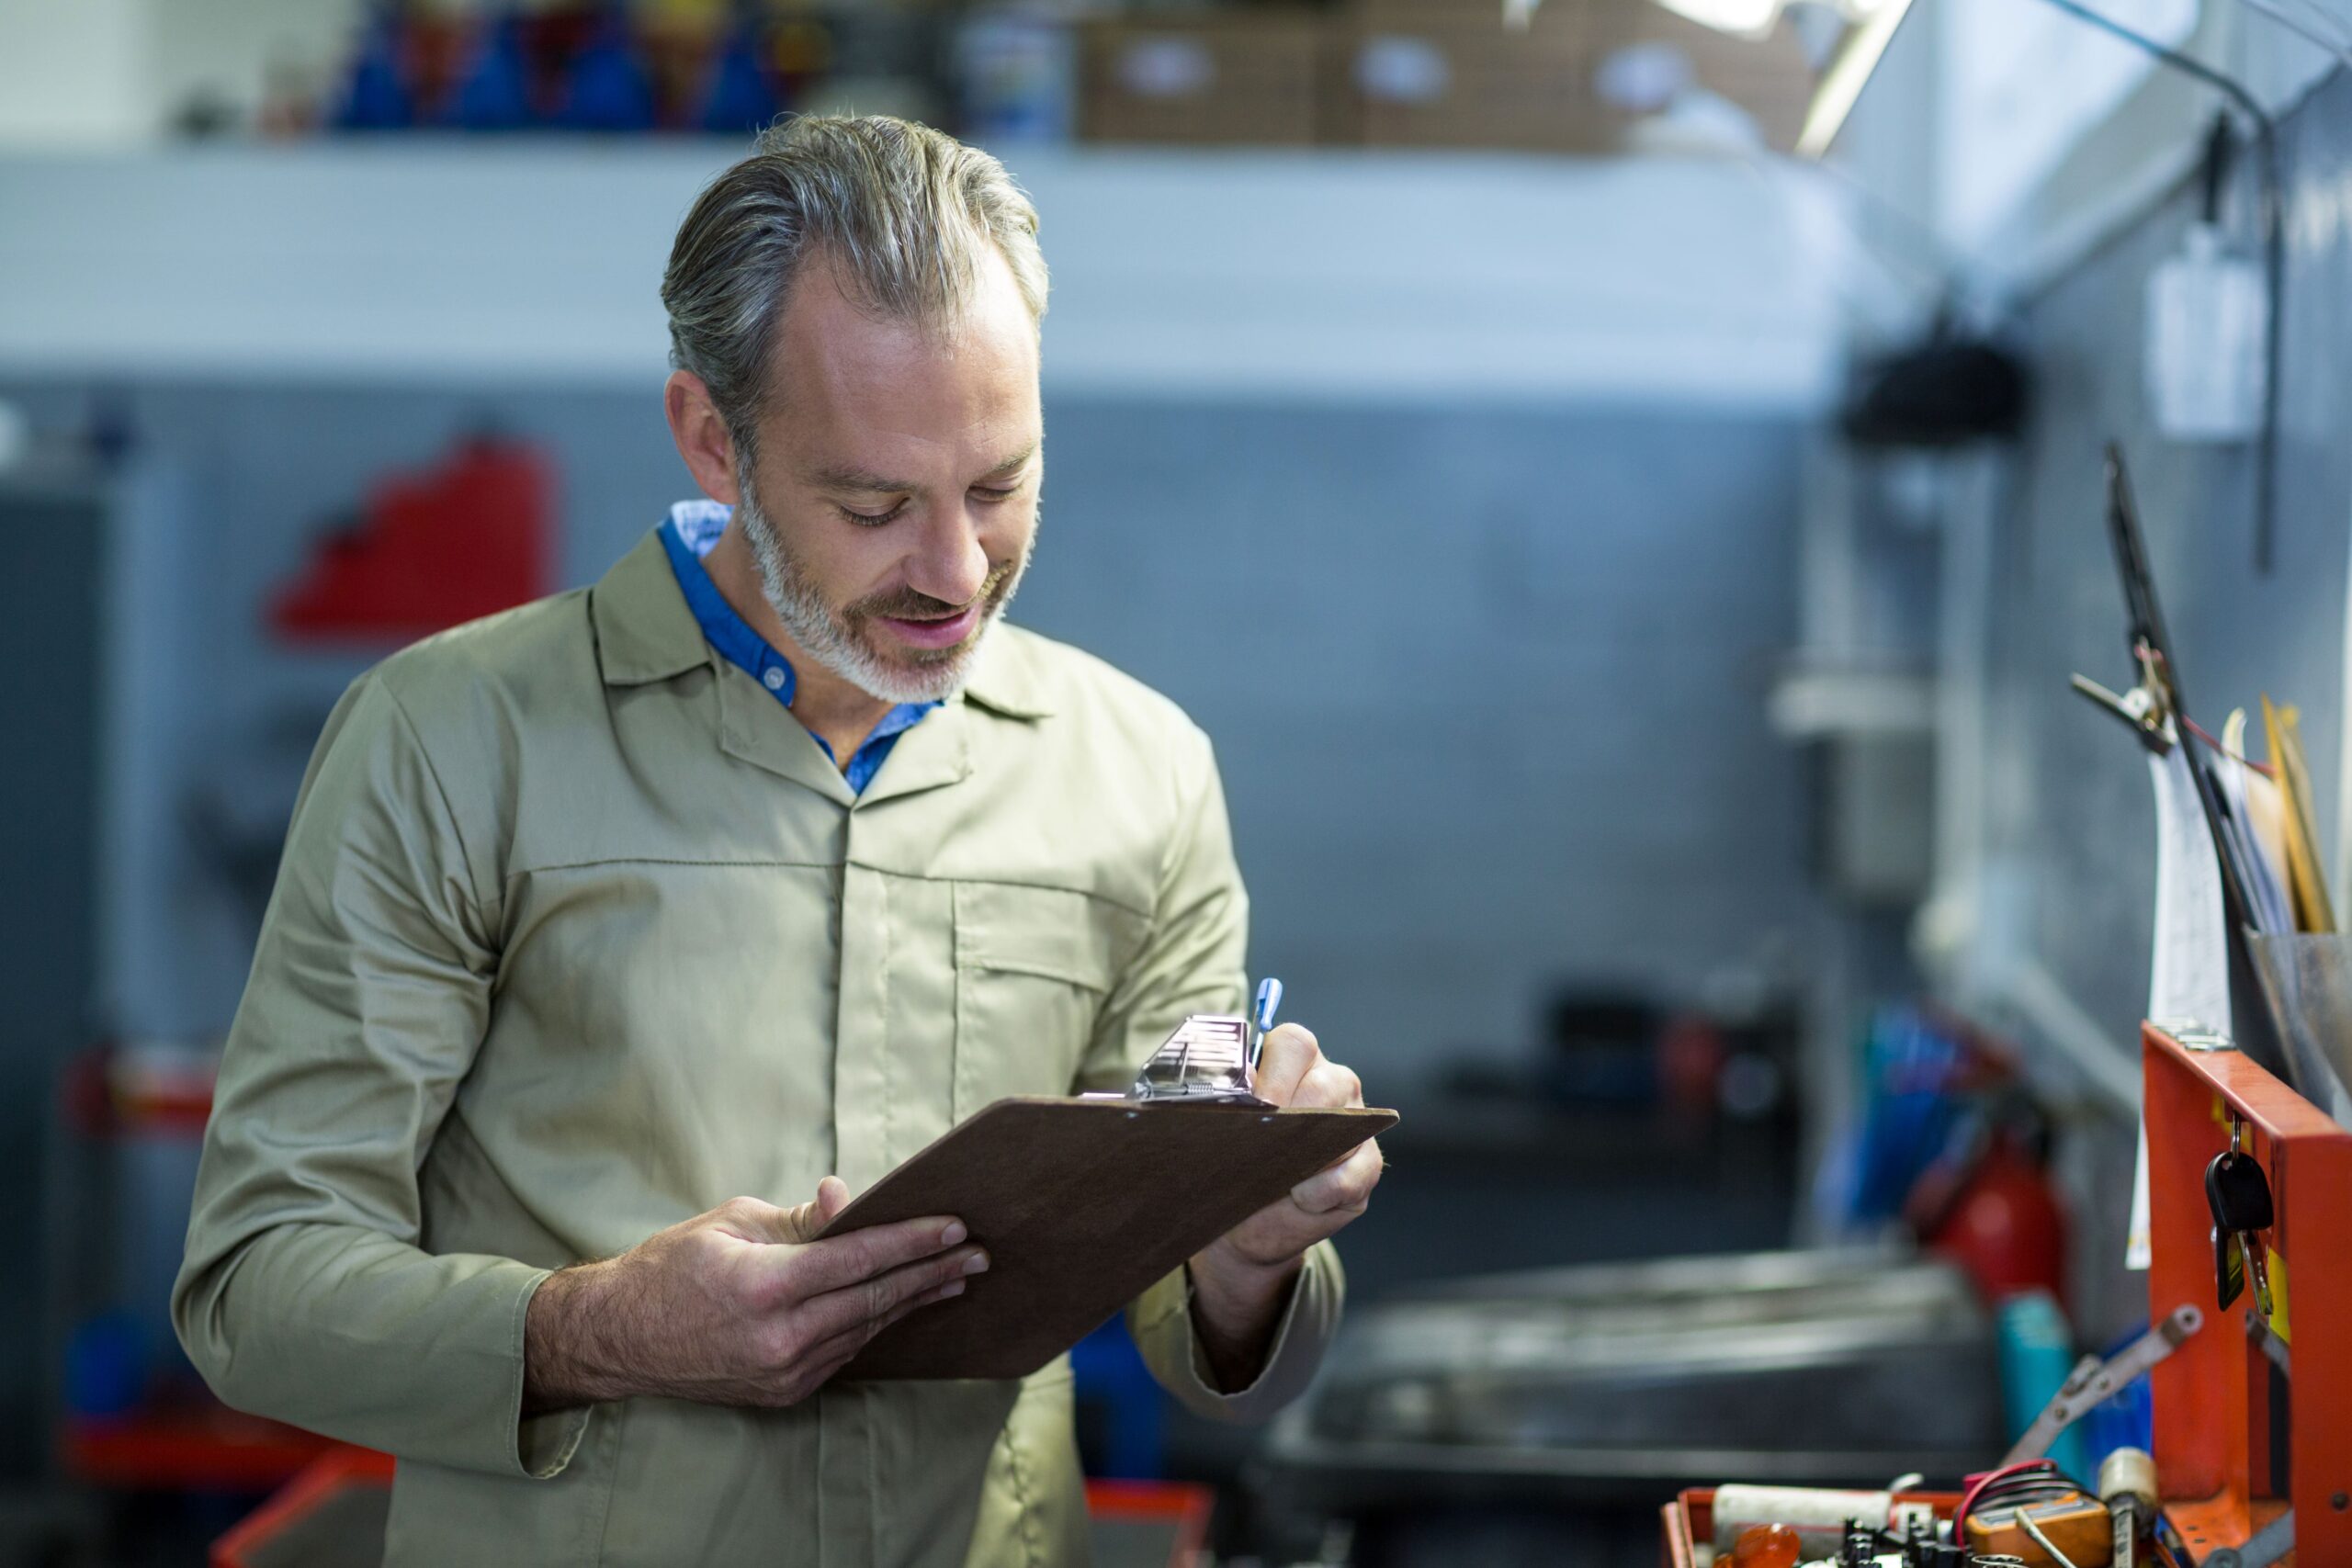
<point>907,605</point>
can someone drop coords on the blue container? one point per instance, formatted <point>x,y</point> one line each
<point>2037,1353</point>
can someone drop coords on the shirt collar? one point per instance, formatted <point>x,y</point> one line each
<point>645,631</point>
<point>687,534</point>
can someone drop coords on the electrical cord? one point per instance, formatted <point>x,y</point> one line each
<point>2274,251</point>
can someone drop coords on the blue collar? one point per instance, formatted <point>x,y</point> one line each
<point>687,534</point>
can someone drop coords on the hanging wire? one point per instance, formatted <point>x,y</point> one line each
<point>2274,253</point>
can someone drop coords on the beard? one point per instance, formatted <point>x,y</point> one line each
<point>844,639</point>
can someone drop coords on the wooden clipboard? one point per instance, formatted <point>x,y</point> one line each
<point>1081,1205</point>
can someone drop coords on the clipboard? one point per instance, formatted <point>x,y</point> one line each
<point>1082,1204</point>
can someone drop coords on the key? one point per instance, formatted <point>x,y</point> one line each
<point>2229,1278</point>
<point>2239,1195</point>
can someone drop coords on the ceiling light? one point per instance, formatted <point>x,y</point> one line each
<point>1857,56</point>
<point>1749,18</point>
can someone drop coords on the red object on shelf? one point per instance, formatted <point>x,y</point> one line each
<point>2005,1227</point>
<point>1184,1507</point>
<point>203,1448</point>
<point>115,1092</point>
<point>431,550</point>
<point>339,1470</point>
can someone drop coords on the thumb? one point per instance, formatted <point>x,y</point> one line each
<point>805,1222</point>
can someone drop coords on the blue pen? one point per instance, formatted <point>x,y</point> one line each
<point>1261,1016</point>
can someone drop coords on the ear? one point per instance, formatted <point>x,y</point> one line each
<point>700,431</point>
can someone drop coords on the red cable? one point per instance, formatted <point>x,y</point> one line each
<point>1978,1483</point>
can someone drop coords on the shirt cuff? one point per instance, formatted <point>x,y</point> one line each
<point>545,1443</point>
<point>1162,1325</point>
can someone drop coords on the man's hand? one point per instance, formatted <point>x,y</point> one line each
<point>738,1306</point>
<point>1242,1279</point>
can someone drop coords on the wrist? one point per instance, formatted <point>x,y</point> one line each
<point>571,1341</point>
<point>1237,1303</point>
<point>1221,1270</point>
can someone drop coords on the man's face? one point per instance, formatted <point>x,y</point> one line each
<point>893,500</point>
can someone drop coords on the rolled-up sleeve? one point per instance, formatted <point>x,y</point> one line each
<point>305,1295</point>
<point>1193,962</point>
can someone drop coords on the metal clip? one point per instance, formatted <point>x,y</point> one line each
<point>2147,707</point>
<point>1207,1061</point>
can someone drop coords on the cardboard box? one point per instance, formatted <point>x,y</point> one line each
<point>1449,73</point>
<point>1248,78</point>
<point>1768,77</point>
<point>1445,79</point>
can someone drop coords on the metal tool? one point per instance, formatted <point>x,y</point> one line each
<point>2144,708</point>
<point>2155,708</point>
<point>2093,1381</point>
<point>2265,1547</point>
<point>2127,1485</point>
<point>2043,1540</point>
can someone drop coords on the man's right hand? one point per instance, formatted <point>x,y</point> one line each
<point>741,1305</point>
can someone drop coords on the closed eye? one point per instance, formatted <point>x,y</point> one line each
<point>870,519</point>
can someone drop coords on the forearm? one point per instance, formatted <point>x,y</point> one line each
<point>347,1332</point>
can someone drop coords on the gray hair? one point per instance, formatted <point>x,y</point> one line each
<point>902,209</point>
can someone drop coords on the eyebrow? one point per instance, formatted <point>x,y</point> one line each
<point>870,482</point>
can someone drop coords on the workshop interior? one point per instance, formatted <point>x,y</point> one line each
<point>1771,585</point>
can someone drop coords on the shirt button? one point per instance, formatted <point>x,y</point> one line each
<point>775,679</point>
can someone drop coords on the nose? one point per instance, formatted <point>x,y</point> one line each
<point>949,563</point>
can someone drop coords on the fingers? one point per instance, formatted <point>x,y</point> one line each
<point>1290,1053</point>
<point>840,1261</point>
<point>1342,1187</point>
<point>1328,1084</point>
<point>874,1301</point>
<point>836,1351</point>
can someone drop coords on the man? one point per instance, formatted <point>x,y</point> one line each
<point>608,927</point>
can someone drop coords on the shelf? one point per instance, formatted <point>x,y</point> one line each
<point>1282,275</point>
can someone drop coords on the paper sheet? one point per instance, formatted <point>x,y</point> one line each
<point>2188,973</point>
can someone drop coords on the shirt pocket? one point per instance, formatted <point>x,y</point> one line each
<point>1034,966</point>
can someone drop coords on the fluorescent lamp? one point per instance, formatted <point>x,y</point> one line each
<point>1857,57</point>
<point>1749,18</point>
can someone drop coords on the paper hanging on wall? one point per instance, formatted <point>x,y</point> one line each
<point>2188,970</point>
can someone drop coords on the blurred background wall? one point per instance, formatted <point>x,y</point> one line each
<point>1454,757</point>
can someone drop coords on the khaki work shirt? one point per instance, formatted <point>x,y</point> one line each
<point>579,933</point>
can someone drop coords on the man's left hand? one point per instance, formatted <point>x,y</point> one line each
<point>1242,1281</point>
